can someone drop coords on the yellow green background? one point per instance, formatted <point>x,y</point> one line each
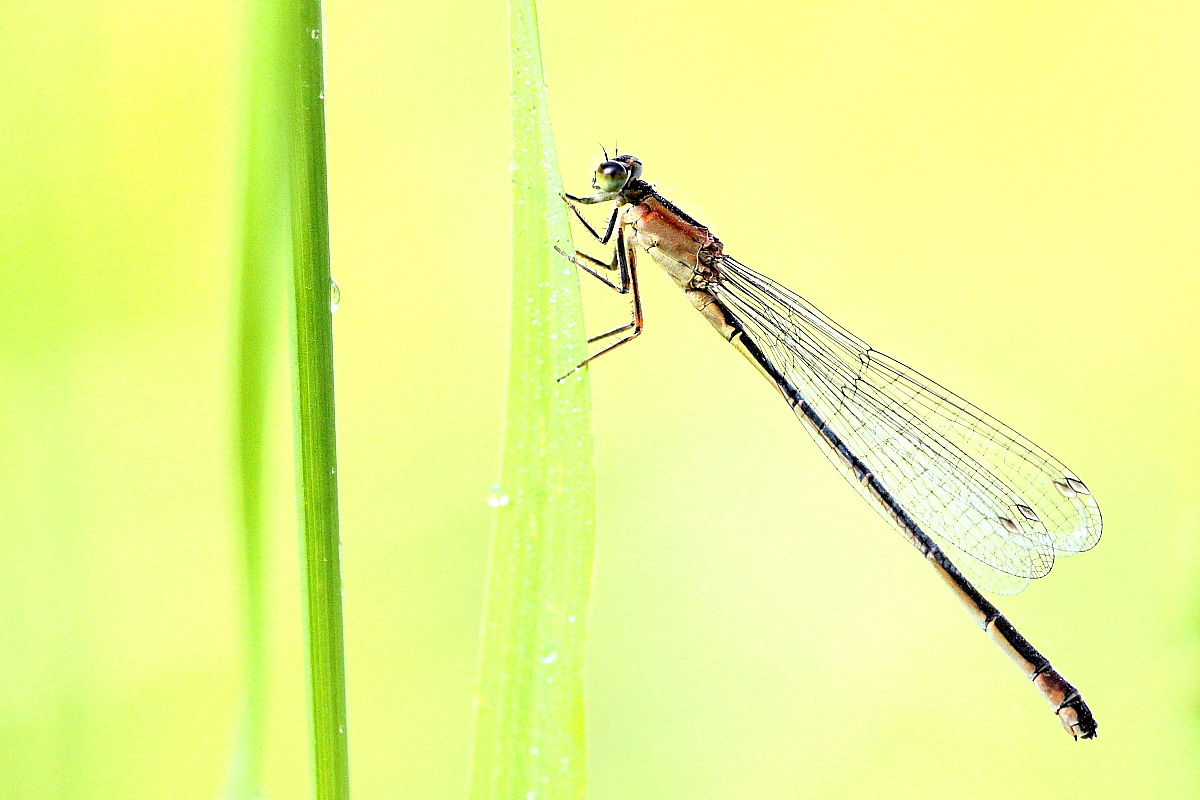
<point>1004,195</point>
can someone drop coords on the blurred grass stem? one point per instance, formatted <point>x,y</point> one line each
<point>263,254</point>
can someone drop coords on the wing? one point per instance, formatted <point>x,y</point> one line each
<point>964,476</point>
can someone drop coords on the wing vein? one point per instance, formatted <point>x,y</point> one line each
<point>962,475</point>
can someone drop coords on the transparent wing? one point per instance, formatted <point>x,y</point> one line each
<point>964,476</point>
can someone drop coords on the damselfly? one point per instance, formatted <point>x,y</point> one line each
<point>926,459</point>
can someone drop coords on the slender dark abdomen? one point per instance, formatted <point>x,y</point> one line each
<point>1064,698</point>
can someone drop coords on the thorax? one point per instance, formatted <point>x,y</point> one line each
<point>687,250</point>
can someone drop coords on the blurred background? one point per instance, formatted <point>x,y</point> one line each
<point>1005,196</point>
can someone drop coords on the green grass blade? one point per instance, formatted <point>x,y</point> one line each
<point>529,737</point>
<point>263,254</point>
<point>312,348</point>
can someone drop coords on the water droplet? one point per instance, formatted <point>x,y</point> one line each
<point>314,33</point>
<point>533,751</point>
<point>571,618</point>
<point>550,657</point>
<point>531,795</point>
<point>335,295</point>
<point>497,498</point>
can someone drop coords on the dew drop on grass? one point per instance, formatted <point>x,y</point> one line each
<point>335,295</point>
<point>498,498</point>
<point>550,657</point>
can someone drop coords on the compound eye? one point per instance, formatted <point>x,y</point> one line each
<point>611,176</point>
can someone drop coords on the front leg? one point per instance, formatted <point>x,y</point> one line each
<point>571,200</point>
<point>598,197</point>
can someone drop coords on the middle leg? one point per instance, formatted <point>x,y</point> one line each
<point>625,262</point>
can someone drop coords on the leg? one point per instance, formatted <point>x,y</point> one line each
<point>626,263</point>
<point>613,267</point>
<point>570,200</point>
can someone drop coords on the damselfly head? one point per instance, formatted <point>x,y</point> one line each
<point>614,174</point>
